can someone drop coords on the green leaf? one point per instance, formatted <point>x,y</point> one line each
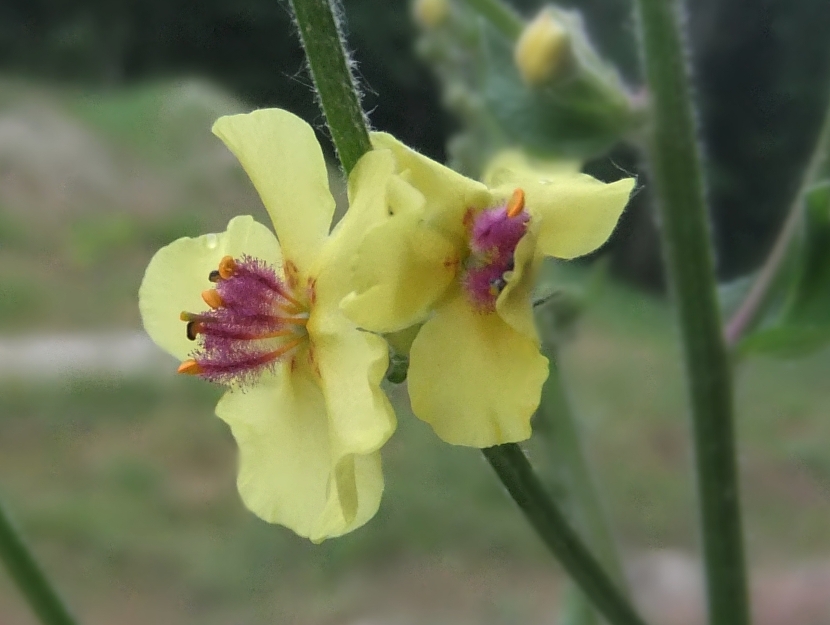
<point>803,325</point>
<point>811,297</point>
<point>786,341</point>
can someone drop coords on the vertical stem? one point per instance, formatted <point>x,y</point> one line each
<point>521,482</point>
<point>29,577</point>
<point>331,72</point>
<point>676,168</point>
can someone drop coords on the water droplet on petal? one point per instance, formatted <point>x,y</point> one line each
<point>212,241</point>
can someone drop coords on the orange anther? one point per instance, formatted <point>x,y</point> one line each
<point>227,267</point>
<point>212,298</point>
<point>189,367</point>
<point>516,204</point>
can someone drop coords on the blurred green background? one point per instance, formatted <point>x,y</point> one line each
<point>124,481</point>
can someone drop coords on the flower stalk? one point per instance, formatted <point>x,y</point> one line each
<point>330,69</point>
<point>678,178</point>
<point>515,472</point>
<point>29,577</point>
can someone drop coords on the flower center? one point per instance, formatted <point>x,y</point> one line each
<point>254,321</point>
<point>494,234</point>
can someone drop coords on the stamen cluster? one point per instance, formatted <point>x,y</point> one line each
<point>494,234</point>
<point>254,321</point>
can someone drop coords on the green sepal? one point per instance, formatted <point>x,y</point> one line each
<point>803,324</point>
<point>810,301</point>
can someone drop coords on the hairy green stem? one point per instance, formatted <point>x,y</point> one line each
<point>29,577</point>
<point>751,306</point>
<point>571,474</point>
<point>521,482</point>
<point>678,180</point>
<point>501,16</point>
<point>330,69</point>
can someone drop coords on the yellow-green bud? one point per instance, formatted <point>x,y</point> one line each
<point>430,13</point>
<point>543,49</point>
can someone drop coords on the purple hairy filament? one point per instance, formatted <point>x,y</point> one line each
<point>253,323</point>
<point>494,234</point>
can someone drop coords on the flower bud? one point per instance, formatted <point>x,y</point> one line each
<point>543,49</point>
<point>430,13</point>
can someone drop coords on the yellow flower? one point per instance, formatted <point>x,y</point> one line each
<point>430,13</point>
<point>543,49</point>
<point>463,257</point>
<point>304,402</point>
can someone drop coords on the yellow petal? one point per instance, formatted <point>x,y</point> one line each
<point>289,472</point>
<point>473,378</point>
<point>368,184</point>
<point>178,273</point>
<point>352,365</point>
<point>507,165</point>
<point>576,213</point>
<point>280,154</point>
<point>402,269</point>
<point>355,261</point>
<point>448,194</point>
<point>515,302</point>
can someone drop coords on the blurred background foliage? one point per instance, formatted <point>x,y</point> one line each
<point>762,70</point>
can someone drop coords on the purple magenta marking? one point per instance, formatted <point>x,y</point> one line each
<point>234,342</point>
<point>493,240</point>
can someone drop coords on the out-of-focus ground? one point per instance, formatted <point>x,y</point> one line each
<point>124,481</point>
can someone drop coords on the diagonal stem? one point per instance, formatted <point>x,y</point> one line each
<point>29,577</point>
<point>527,491</point>
<point>678,179</point>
